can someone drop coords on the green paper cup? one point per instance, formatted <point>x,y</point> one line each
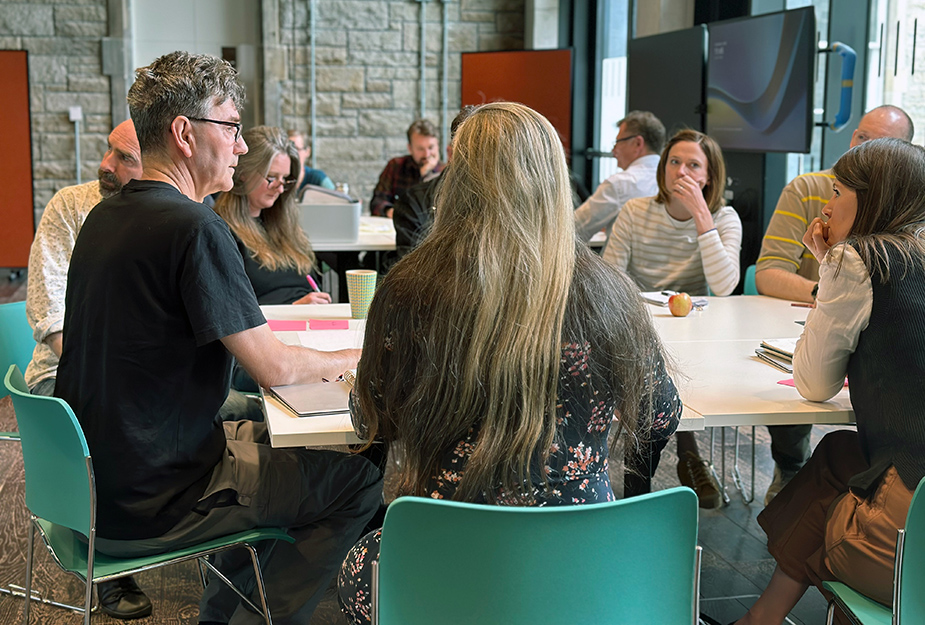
<point>361,284</point>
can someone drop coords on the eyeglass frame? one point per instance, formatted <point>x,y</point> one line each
<point>238,126</point>
<point>616,141</point>
<point>288,183</point>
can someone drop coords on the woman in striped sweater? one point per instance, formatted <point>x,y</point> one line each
<point>683,239</point>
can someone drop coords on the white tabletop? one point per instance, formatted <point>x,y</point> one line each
<point>726,384</point>
<point>376,234</point>
<point>286,428</point>
<point>730,318</point>
<point>720,378</point>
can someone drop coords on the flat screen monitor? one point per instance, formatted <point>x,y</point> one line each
<point>760,82</point>
<point>665,76</point>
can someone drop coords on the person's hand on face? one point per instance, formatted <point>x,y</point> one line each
<point>841,212</point>
<point>686,175</point>
<point>425,151</point>
<point>816,239</point>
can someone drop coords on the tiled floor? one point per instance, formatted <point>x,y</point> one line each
<point>736,564</point>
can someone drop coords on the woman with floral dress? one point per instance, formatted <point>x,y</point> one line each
<point>502,358</point>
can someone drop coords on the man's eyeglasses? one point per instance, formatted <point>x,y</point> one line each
<point>287,183</point>
<point>625,139</point>
<point>235,125</point>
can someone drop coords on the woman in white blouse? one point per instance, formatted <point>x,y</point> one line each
<point>837,519</point>
<point>684,238</point>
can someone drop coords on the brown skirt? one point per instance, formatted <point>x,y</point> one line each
<point>820,531</point>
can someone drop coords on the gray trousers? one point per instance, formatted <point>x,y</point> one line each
<point>790,446</point>
<point>324,499</point>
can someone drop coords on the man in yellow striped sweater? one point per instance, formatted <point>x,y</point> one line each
<point>787,270</point>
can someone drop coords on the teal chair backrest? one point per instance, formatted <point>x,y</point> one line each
<point>55,457</point>
<point>912,599</point>
<point>630,561</point>
<point>16,343</point>
<point>749,288</point>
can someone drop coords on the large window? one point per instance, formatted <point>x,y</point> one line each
<point>896,62</point>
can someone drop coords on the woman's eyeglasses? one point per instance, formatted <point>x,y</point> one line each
<point>287,183</point>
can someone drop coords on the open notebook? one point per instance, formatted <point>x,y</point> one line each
<point>315,400</point>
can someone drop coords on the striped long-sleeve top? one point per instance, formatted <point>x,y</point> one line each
<point>660,252</point>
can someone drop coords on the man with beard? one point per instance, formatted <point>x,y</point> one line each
<point>403,172</point>
<point>49,259</point>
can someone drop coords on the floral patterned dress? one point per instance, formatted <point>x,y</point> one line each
<point>576,470</point>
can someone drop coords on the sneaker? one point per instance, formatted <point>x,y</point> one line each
<point>695,473</point>
<point>781,479</point>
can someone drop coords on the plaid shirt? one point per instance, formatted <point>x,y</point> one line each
<point>399,175</point>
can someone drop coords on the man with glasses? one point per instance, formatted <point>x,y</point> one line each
<point>157,306</point>
<point>637,148</point>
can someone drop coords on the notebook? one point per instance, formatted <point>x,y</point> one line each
<point>314,400</point>
<point>782,348</point>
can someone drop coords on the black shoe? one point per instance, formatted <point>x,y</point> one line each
<point>122,599</point>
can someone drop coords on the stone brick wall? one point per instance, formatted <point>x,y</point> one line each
<point>63,38</point>
<point>367,73</point>
<point>368,70</point>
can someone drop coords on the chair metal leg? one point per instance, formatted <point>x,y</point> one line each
<point>698,555</point>
<point>830,614</point>
<point>737,477</point>
<point>29,553</point>
<point>202,572</point>
<point>261,588</point>
<point>721,476</point>
<point>374,594</point>
<point>231,585</point>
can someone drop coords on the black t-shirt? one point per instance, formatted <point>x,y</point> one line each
<point>282,286</point>
<point>155,281</point>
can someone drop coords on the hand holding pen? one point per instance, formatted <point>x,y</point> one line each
<point>317,296</point>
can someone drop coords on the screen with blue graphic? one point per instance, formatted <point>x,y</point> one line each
<point>760,82</point>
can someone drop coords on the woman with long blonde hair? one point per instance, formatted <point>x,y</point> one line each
<point>500,351</point>
<point>262,213</point>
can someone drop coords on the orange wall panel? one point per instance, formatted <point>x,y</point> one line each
<point>541,79</point>
<point>17,223</point>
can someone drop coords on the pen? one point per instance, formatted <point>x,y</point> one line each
<point>313,284</point>
<point>801,305</point>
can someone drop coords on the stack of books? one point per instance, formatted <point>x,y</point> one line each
<point>778,353</point>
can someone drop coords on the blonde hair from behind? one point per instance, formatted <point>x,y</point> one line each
<point>276,241</point>
<point>486,293</point>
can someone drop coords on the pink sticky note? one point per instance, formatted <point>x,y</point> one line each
<point>328,324</point>
<point>790,382</point>
<point>283,325</point>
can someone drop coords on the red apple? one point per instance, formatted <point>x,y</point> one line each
<point>680,304</point>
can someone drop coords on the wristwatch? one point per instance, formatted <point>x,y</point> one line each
<point>815,290</point>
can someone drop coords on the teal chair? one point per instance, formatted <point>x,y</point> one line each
<point>908,578</point>
<point>16,345</point>
<point>749,287</point>
<point>61,498</point>
<point>629,561</point>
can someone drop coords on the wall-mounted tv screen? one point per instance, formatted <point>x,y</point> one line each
<point>677,101</point>
<point>760,82</point>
